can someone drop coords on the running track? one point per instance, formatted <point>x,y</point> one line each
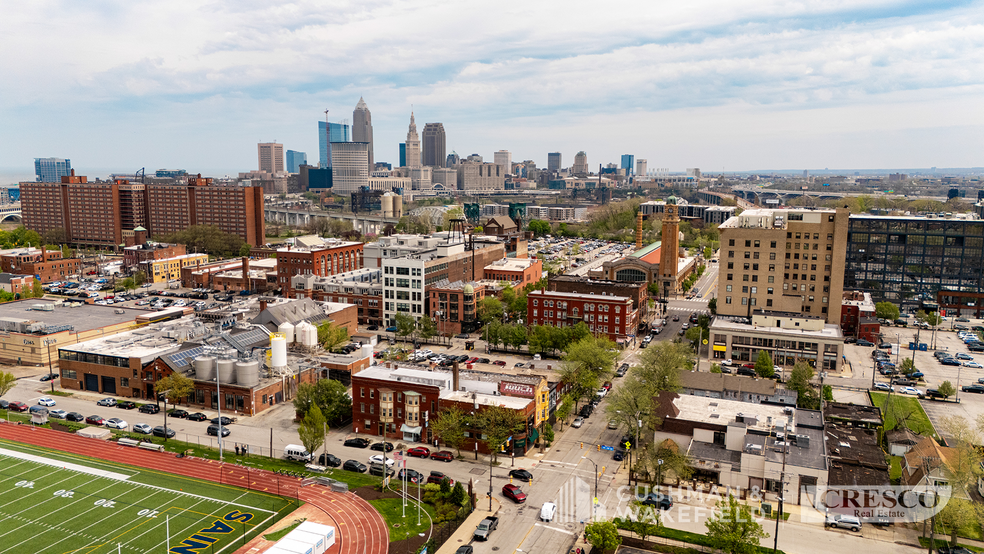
<point>359,529</point>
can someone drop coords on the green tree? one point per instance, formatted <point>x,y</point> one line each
<point>712,305</point>
<point>498,423</point>
<point>128,284</point>
<point>538,227</point>
<point>332,336</point>
<point>139,277</point>
<point>312,429</point>
<point>405,326</point>
<point>907,367</point>
<point>426,328</point>
<point>603,535</point>
<point>887,310</point>
<point>37,289</point>
<point>660,366</point>
<point>715,368</point>
<point>458,495</point>
<point>244,250</point>
<point>564,409</point>
<point>763,365</point>
<point>732,528</point>
<point>629,404</point>
<point>801,381</point>
<point>7,382</point>
<point>708,253</point>
<point>450,426</point>
<point>489,310</point>
<point>207,238</point>
<point>946,389</point>
<point>931,318</point>
<point>329,395</point>
<point>174,387</point>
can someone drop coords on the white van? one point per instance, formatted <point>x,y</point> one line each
<point>297,452</point>
<point>547,511</point>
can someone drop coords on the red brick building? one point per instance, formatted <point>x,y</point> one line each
<point>139,253</point>
<point>362,288</point>
<point>16,284</point>
<point>332,259</point>
<point>612,316</point>
<point>525,271</point>
<point>454,306</point>
<point>46,265</point>
<point>583,285</point>
<point>858,318</point>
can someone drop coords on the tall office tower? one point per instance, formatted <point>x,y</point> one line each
<point>580,163</point>
<point>362,128</point>
<point>434,147</point>
<point>413,145</point>
<point>51,170</point>
<point>475,158</point>
<point>295,160</point>
<point>349,169</point>
<point>403,154</point>
<point>628,163</point>
<point>270,156</point>
<point>503,158</point>
<point>453,159</point>
<point>553,161</point>
<point>641,167</point>
<point>787,260</point>
<point>337,132</point>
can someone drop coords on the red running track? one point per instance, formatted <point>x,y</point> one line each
<point>359,529</point>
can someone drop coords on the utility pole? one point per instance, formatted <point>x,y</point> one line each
<point>782,492</point>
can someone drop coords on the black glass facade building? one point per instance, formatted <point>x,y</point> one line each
<point>917,262</point>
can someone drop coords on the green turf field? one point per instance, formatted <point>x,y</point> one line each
<point>59,503</point>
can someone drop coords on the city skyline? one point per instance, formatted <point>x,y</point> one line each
<point>726,88</point>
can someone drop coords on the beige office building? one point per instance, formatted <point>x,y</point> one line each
<point>349,166</point>
<point>270,157</point>
<point>787,260</point>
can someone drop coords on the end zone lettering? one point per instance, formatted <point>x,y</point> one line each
<point>199,541</point>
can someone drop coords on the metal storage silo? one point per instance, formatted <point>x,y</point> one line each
<point>398,206</point>
<point>204,368</point>
<point>311,336</point>
<point>278,350</point>
<point>227,371</point>
<point>248,373</point>
<point>288,330</point>
<point>387,204</point>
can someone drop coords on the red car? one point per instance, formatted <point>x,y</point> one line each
<point>472,360</point>
<point>749,366</point>
<point>95,420</point>
<point>443,456</point>
<point>500,363</point>
<point>419,452</point>
<point>17,406</point>
<point>514,493</point>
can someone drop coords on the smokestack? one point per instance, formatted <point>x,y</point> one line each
<point>455,377</point>
<point>639,230</point>
<point>245,273</point>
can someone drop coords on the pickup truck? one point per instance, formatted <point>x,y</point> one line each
<point>485,528</point>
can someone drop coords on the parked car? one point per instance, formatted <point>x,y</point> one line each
<point>662,501</point>
<point>521,474</point>
<point>381,446</point>
<point>178,413</point>
<point>949,361</point>
<point>863,342</point>
<point>116,423</point>
<point>978,388</point>
<point>578,422</point>
<point>57,414</point>
<point>357,442</point>
<point>95,420</point>
<point>485,528</point>
<point>883,387</point>
<point>962,356</point>
<point>514,493</point>
<point>843,522</point>
<point>107,402</point>
<point>973,365</point>
<point>443,456</point>
<point>151,409</point>
<point>142,428</point>
<point>548,511</point>
<point>465,549</point>
<point>378,459</point>
<point>225,421</point>
<point>329,460</point>
<point>197,416</point>
<point>419,452</point>
<point>352,465</point>
<point>48,377</point>
<point>74,416</point>
<point>45,401</point>
<point>436,477</point>
<point>410,475</point>
<point>214,430</point>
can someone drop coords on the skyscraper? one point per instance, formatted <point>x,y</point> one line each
<point>553,161</point>
<point>453,159</point>
<point>413,145</point>
<point>669,251</point>
<point>403,154</point>
<point>641,167</point>
<point>362,128</point>
<point>628,163</point>
<point>349,170</point>
<point>270,157</point>
<point>580,166</point>
<point>51,170</point>
<point>340,132</point>
<point>434,147</point>
<point>295,160</point>
<point>503,158</point>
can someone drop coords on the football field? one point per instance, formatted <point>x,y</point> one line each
<point>59,503</point>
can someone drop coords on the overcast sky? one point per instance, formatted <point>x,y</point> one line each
<point>715,84</point>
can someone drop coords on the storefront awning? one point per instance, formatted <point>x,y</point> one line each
<point>407,429</point>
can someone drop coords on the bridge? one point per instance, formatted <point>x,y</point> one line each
<point>364,224</point>
<point>11,212</point>
<point>759,195</point>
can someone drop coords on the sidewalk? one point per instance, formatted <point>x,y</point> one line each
<point>467,528</point>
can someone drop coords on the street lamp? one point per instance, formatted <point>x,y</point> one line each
<point>47,346</point>
<point>594,499</point>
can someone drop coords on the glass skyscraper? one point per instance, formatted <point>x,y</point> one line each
<point>295,160</point>
<point>51,170</point>
<point>340,132</point>
<point>628,163</point>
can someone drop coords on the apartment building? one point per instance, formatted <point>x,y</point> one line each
<point>786,260</point>
<point>454,306</point>
<point>16,284</point>
<point>107,213</point>
<point>164,270</point>
<point>613,316</point>
<point>329,258</point>
<point>858,317</point>
<point>45,265</point>
<point>361,287</point>
<point>522,271</point>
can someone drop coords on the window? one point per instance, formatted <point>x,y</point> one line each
<point>372,393</point>
<point>744,301</point>
<point>728,288</point>
<point>746,266</point>
<point>748,254</point>
<point>748,244</point>
<point>535,302</point>
<point>756,244</point>
<point>772,244</point>
<point>769,290</point>
<point>772,279</point>
<point>772,267</point>
<point>731,253</point>
<point>772,255</point>
<point>755,267</point>
<point>730,276</point>
<point>731,265</point>
<point>362,392</point>
<point>727,300</point>
<point>731,242</point>
<point>744,290</point>
<point>744,277</point>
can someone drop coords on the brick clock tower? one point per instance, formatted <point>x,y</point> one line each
<point>669,251</point>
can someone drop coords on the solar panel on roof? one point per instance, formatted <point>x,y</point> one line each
<point>183,357</point>
<point>244,341</point>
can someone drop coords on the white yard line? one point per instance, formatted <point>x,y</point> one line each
<point>63,465</point>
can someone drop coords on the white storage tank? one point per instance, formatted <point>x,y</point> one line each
<point>365,351</point>
<point>248,373</point>
<point>312,335</point>
<point>288,330</point>
<point>204,368</point>
<point>227,371</point>
<point>398,207</point>
<point>387,204</point>
<point>278,350</point>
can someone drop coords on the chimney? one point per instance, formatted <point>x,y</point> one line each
<point>44,253</point>
<point>455,376</point>
<point>245,273</point>
<point>263,305</point>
